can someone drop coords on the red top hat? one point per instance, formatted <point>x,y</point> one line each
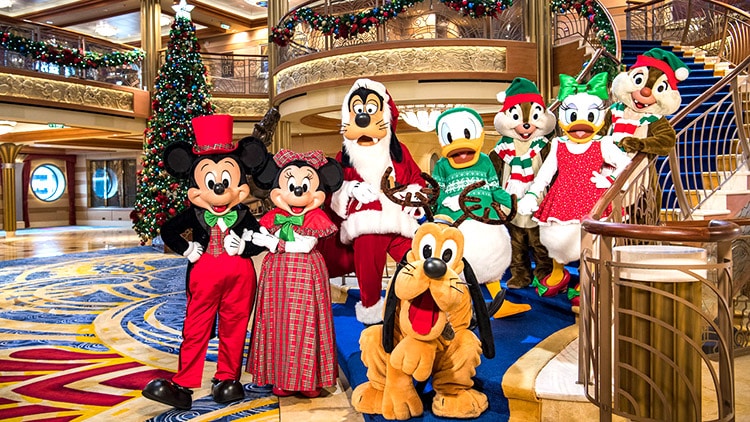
<point>213,134</point>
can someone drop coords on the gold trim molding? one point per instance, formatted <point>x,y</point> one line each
<point>445,59</point>
<point>61,92</point>
<point>253,107</point>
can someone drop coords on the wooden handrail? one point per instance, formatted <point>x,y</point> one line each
<point>617,186</point>
<point>695,231</point>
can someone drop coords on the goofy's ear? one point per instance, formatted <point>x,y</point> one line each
<point>331,175</point>
<point>397,154</point>
<point>252,153</point>
<point>178,159</point>
<point>480,311</point>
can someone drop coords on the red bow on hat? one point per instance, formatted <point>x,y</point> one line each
<point>315,159</point>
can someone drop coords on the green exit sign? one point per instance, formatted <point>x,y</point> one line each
<point>55,125</point>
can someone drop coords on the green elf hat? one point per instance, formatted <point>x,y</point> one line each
<point>521,90</point>
<point>456,110</point>
<point>667,62</point>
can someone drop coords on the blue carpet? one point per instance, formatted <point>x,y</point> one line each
<point>514,336</point>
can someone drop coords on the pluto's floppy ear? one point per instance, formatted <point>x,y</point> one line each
<point>178,159</point>
<point>480,311</point>
<point>389,313</point>
<point>331,175</point>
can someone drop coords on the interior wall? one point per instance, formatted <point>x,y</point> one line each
<point>41,213</point>
<point>109,216</point>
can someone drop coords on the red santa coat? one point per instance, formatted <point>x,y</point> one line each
<point>381,216</point>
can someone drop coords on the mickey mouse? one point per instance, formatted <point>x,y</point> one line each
<point>220,276</point>
<point>293,344</point>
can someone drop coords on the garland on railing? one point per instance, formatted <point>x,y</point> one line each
<point>351,24</point>
<point>600,24</point>
<point>50,53</point>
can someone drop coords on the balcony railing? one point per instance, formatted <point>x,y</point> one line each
<point>422,21</point>
<point>236,74</point>
<point>125,75</point>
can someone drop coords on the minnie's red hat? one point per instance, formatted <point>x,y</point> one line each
<point>213,134</point>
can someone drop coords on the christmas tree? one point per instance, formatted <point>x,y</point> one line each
<point>180,94</point>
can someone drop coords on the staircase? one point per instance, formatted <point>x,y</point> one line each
<point>708,152</point>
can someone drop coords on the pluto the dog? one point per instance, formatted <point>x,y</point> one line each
<point>426,333</point>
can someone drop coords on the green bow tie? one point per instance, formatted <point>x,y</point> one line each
<point>596,86</point>
<point>287,232</point>
<point>212,219</point>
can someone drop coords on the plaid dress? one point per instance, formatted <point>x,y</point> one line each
<point>293,343</point>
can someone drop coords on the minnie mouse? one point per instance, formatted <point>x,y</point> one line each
<point>220,276</point>
<point>293,344</point>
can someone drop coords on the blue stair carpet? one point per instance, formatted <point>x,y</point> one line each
<point>701,144</point>
<point>514,336</point>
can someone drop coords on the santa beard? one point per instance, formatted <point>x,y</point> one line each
<point>370,161</point>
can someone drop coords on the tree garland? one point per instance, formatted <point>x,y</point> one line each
<point>73,57</point>
<point>350,24</point>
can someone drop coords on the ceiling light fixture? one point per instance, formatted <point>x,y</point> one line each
<point>104,29</point>
<point>423,116</point>
<point>165,20</point>
<point>6,3</point>
<point>257,3</point>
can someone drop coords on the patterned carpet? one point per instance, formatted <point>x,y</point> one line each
<point>81,334</point>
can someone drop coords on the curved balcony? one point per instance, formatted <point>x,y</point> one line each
<point>428,55</point>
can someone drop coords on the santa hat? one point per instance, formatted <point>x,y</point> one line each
<point>213,134</point>
<point>390,114</point>
<point>521,90</point>
<point>667,62</point>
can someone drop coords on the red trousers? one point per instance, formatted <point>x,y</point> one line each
<point>369,262</point>
<point>224,285</point>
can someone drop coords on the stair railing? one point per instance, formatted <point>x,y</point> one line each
<point>718,28</point>
<point>570,27</point>
<point>711,147</point>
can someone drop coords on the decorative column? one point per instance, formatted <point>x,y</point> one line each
<point>150,41</point>
<point>8,154</point>
<point>283,135</point>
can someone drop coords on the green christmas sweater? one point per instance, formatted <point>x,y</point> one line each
<point>452,182</point>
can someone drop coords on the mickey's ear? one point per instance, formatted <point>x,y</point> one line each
<point>331,175</point>
<point>178,159</point>
<point>252,154</point>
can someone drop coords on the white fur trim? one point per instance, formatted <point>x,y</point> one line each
<point>501,97</point>
<point>681,73</point>
<point>340,199</point>
<point>390,220</point>
<point>371,315</point>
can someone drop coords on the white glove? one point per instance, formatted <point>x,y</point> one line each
<point>235,245</point>
<point>601,182</point>
<point>265,239</point>
<point>362,192</point>
<point>301,244</point>
<point>527,205</point>
<point>452,203</point>
<point>193,252</point>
